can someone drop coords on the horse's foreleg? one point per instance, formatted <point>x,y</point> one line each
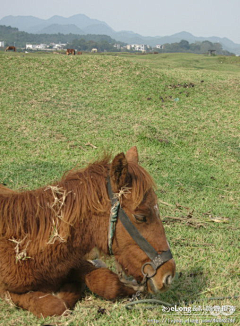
<point>74,284</point>
<point>70,293</point>
<point>39,303</point>
<point>105,283</point>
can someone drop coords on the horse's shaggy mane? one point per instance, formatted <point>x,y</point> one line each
<point>49,213</point>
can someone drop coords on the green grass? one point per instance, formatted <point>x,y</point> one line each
<point>52,106</point>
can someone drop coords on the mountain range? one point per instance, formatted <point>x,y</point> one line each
<point>82,25</point>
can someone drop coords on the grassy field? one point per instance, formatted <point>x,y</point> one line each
<point>182,112</point>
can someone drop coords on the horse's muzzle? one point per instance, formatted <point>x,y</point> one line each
<point>162,280</point>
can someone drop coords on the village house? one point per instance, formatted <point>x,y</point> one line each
<point>137,47</point>
<point>58,46</point>
<point>117,46</point>
<point>36,47</point>
<point>159,46</point>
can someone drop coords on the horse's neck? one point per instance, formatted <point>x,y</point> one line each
<point>91,230</point>
<point>92,233</point>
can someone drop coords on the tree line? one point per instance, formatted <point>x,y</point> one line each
<point>87,45</point>
<point>197,47</point>
<point>12,36</point>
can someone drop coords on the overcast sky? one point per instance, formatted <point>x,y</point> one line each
<point>149,17</point>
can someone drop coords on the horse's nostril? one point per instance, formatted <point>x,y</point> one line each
<point>167,279</point>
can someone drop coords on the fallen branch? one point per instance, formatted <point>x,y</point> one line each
<point>187,220</point>
<point>164,203</point>
<point>176,218</point>
<point>89,144</point>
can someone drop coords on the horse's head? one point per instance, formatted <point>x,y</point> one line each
<point>138,243</point>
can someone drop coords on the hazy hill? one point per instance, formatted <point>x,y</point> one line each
<point>21,22</point>
<point>62,29</point>
<point>32,24</point>
<point>82,25</point>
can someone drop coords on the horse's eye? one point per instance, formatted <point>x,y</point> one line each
<point>140,218</point>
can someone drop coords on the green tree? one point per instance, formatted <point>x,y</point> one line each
<point>184,45</point>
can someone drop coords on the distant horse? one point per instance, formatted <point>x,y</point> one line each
<point>70,51</point>
<point>79,53</point>
<point>46,235</point>
<point>10,48</point>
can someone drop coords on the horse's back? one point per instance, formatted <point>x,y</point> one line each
<point>6,191</point>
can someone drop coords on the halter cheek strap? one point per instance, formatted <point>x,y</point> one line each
<point>112,223</point>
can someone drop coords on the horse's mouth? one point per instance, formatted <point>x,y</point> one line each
<point>127,279</point>
<point>152,288</point>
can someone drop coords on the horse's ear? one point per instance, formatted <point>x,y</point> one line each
<point>119,172</point>
<point>132,155</point>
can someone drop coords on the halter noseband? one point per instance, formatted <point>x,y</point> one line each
<point>157,259</point>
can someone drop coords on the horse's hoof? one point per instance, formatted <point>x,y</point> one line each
<point>98,263</point>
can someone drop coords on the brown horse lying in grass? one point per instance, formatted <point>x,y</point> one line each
<point>46,234</point>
